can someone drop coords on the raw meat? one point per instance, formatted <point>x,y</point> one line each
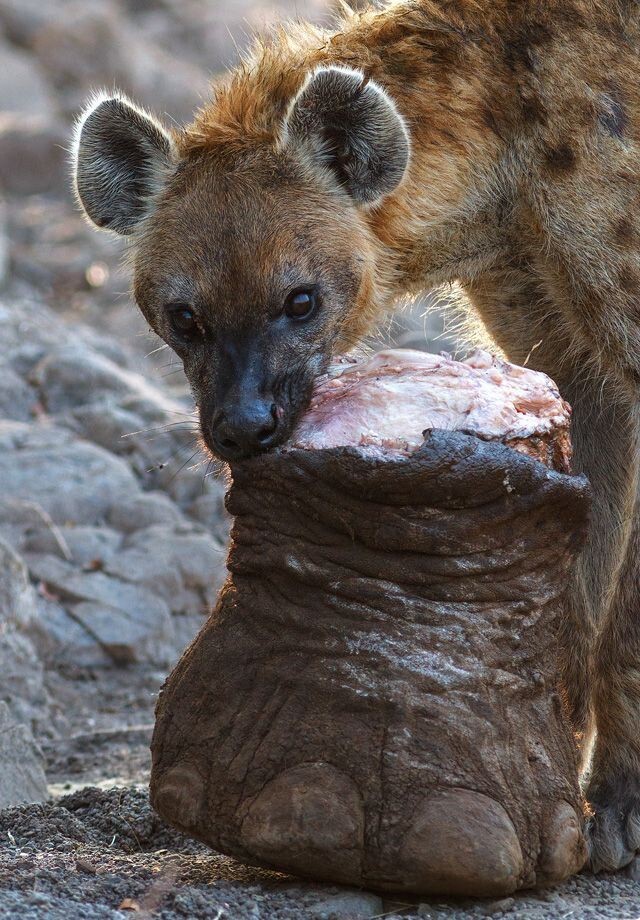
<point>388,402</point>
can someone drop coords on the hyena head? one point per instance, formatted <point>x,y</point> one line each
<point>252,253</point>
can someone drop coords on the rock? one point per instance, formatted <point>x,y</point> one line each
<point>108,425</point>
<point>72,482</point>
<point>73,375</point>
<point>144,633</point>
<point>210,511</point>
<point>21,358</point>
<point>93,53</point>
<point>21,680</point>
<point>28,327</point>
<point>17,399</point>
<point>22,776</point>
<point>32,154</point>
<point>205,31</point>
<point>88,547</point>
<point>23,88</point>
<point>159,453</point>
<point>172,86</point>
<point>495,908</point>
<point>4,243</point>
<point>185,568</point>
<point>22,520</point>
<point>22,19</point>
<point>122,412</point>
<point>17,597</point>
<point>350,905</point>
<point>61,640</point>
<point>188,625</point>
<point>128,621</point>
<point>184,479</point>
<point>144,511</point>
<point>103,50</point>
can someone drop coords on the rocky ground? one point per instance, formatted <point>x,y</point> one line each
<point>112,523</point>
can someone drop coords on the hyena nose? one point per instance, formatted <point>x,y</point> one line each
<point>245,430</point>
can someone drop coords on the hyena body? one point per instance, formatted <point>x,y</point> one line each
<point>490,142</point>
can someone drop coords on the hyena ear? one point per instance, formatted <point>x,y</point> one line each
<point>122,157</point>
<point>352,126</point>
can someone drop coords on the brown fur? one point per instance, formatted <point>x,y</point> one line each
<point>523,185</point>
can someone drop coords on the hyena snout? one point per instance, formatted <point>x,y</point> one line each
<point>243,429</point>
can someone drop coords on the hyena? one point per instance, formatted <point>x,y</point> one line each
<point>492,143</point>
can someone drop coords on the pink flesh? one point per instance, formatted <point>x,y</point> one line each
<point>387,402</point>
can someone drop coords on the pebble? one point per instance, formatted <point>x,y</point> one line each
<point>497,907</point>
<point>347,905</point>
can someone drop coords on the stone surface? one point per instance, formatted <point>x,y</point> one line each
<point>87,547</point>
<point>632,871</point>
<point>61,640</point>
<point>22,681</point>
<point>17,399</point>
<point>23,88</point>
<point>123,574</point>
<point>144,511</point>
<point>4,243</point>
<point>143,633</point>
<point>71,482</point>
<point>102,49</point>
<point>22,777</point>
<point>32,154</point>
<point>372,701</point>
<point>73,375</point>
<point>497,908</point>
<point>21,19</point>
<point>347,905</point>
<point>17,597</point>
<point>129,622</point>
<point>184,567</point>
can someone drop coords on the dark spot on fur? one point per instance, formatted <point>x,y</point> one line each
<point>533,109</point>
<point>560,158</point>
<point>521,48</point>
<point>629,280</point>
<point>518,53</point>
<point>624,231</point>
<point>489,120</point>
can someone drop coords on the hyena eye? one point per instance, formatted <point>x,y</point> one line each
<point>301,304</point>
<point>183,321</point>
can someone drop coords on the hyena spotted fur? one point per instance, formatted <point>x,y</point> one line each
<point>494,143</point>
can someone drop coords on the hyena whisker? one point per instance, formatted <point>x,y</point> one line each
<point>168,427</point>
<point>156,350</point>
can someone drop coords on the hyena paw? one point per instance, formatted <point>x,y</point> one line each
<point>614,830</point>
